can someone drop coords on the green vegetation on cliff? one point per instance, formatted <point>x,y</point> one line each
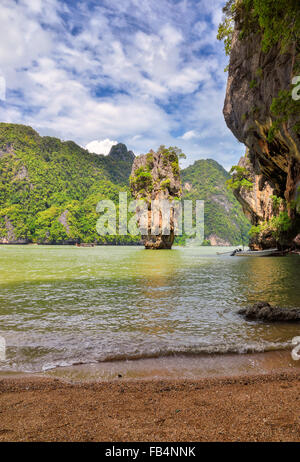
<point>240,178</point>
<point>278,22</point>
<point>280,223</point>
<point>142,181</point>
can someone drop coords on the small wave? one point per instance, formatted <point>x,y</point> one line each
<point>187,351</point>
<point>199,350</point>
<point>44,363</point>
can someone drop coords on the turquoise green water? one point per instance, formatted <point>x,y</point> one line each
<point>68,305</point>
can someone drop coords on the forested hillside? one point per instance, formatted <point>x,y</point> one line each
<point>224,220</point>
<point>49,189</point>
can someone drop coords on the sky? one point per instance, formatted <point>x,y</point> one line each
<point>140,72</point>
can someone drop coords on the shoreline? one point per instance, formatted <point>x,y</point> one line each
<point>246,408</point>
<point>261,404</point>
<point>174,367</point>
<point>170,367</point>
<point>286,252</point>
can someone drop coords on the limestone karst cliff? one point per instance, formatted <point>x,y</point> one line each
<point>155,177</point>
<point>261,113</point>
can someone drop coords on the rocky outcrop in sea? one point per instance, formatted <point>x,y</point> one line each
<point>155,177</point>
<point>263,311</point>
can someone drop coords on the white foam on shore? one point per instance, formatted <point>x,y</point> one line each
<point>180,367</point>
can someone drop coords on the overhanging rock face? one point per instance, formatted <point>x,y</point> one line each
<point>273,156</point>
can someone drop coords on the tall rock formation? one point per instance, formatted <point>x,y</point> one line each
<point>261,113</point>
<point>155,177</point>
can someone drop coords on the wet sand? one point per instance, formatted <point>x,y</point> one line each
<point>191,367</point>
<point>261,407</point>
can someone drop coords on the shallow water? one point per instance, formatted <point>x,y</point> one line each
<point>192,367</point>
<point>67,305</point>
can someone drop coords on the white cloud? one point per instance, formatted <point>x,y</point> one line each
<point>138,71</point>
<point>22,40</point>
<point>101,147</point>
<point>189,135</point>
<point>2,88</point>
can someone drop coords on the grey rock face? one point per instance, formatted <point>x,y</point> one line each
<point>255,79</point>
<point>63,219</point>
<point>155,176</point>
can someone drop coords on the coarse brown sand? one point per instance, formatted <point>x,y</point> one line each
<point>256,408</point>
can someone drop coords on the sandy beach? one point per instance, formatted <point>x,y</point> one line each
<point>250,408</point>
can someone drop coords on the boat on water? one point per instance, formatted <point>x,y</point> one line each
<point>228,252</point>
<point>257,253</point>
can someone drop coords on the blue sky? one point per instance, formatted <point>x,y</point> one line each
<point>141,72</point>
